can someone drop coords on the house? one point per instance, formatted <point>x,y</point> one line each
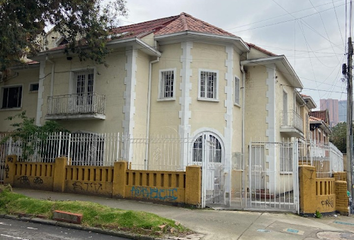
<point>234,106</point>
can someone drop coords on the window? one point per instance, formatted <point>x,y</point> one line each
<point>208,85</point>
<point>212,147</point>
<point>34,87</point>
<point>84,87</point>
<point>237,91</point>
<point>286,158</point>
<point>167,84</point>
<point>11,97</point>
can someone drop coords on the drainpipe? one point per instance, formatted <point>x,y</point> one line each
<point>148,107</point>
<point>52,77</point>
<point>51,81</point>
<point>243,130</point>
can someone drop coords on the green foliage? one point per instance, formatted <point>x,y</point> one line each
<point>84,25</point>
<point>30,134</point>
<point>339,136</point>
<point>318,214</point>
<point>94,215</point>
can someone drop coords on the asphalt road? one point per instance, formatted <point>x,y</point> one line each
<point>21,230</point>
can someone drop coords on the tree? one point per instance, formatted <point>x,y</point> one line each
<point>339,136</point>
<point>30,135</point>
<point>84,24</point>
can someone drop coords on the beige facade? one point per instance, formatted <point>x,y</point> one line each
<point>25,79</point>
<point>203,87</point>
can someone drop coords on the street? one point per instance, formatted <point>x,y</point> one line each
<point>21,230</point>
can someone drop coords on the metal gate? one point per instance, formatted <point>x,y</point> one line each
<point>273,176</point>
<point>208,152</point>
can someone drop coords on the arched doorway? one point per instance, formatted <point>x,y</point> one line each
<point>208,151</point>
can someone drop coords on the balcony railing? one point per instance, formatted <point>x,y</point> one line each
<point>69,105</point>
<point>292,119</point>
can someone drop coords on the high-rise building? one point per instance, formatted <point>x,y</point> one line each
<point>342,110</point>
<point>332,106</point>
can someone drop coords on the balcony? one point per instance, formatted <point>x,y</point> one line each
<point>292,124</point>
<point>76,106</point>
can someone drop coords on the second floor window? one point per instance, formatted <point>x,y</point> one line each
<point>11,97</point>
<point>167,83</point>
<point>208,85</point>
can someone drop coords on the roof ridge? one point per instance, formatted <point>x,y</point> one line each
<point>210,25</point>
<point>184,21</point>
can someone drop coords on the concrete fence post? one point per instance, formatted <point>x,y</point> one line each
<point>10,170</point>
<point>119,179</point>
<point>193,188</point>
<point>307,189</point>
<point>59,174</point>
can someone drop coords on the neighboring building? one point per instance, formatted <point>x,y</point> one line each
<point>231,102</point>
<point>319,126</point>
<point>342,110</point>
<point>333,109</point>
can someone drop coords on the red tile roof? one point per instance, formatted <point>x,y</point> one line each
<point>251,45</point>
<point>169,25</point>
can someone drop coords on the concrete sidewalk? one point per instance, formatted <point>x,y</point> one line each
<point>213,224</point>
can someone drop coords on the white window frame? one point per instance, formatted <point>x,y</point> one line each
<point>161,87</point>
<point>73,78</point>
<point>237,91</point>
<point>216,91</point>
<point>212,153</point>
<point>2,95</point>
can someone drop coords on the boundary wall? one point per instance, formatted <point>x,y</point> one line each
<point>323,195</point>
<point>175,187</point>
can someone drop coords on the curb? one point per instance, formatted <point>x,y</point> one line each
<point>78,227</point>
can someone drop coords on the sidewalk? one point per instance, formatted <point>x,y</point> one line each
<point>213,224</point>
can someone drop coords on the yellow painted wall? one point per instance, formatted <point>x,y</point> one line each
<point>255,106</point>
<point>208,113</point>
<point>164,114</point>
<point>29,99</point>
<point>166,186</point>
<point>142,79</point>
<point>149,39</point>
<point>109,81</point>
<point>89,180</point>
<point>254,53</point>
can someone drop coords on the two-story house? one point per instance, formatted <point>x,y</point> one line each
<point>177,76</point>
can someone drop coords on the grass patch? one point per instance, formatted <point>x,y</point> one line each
<point>94,215</point>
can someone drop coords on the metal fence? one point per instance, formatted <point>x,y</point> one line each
<point>92,149</point>
<point>325,157</point>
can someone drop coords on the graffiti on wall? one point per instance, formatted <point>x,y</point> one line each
<point>24,180</point>
<point>89,187</point>
<point>10,159</point>
<point>154,193</point>
<point>38,180</point>
<point>328,202</point>
<point>7,170</point>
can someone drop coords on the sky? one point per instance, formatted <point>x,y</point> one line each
<point>310,33</point>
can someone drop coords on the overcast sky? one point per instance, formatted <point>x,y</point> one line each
<point>310,33</point>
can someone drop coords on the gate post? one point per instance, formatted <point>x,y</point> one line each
<point>119,179</point>
<point>10,170</point>
<point>193,191</point>
<point>59,174</point>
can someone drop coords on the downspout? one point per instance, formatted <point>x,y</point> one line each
<point>52,77</point>
<point>51,83</point>
<point>243,111</point>
<point>148,107</point>
<point>243,129</point>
